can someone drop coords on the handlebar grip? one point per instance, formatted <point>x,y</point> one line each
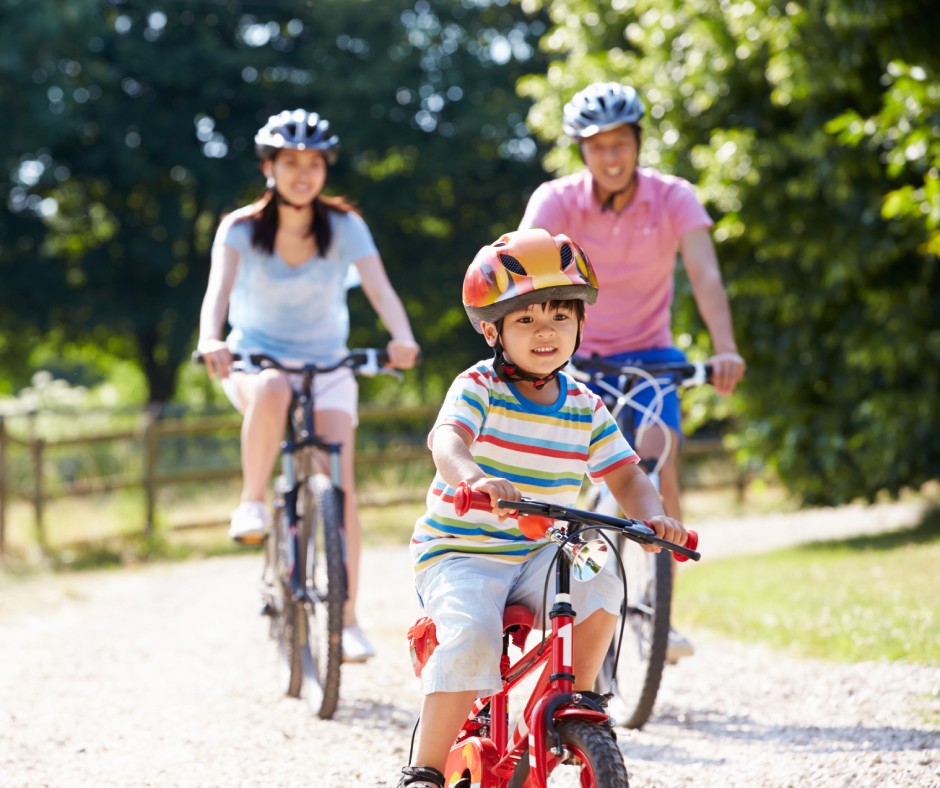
<point>466,499</point>
<point>691,542</point>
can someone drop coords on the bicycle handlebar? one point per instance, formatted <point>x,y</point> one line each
<point>363,361</point>
<point>686,373</point>
<point>535,517</point>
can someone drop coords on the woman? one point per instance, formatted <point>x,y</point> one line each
<point>279,273</point>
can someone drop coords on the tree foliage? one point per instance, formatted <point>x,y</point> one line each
<point>129,130</point>
<point>812,130</point>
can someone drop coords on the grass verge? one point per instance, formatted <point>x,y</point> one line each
<point>866,598</point>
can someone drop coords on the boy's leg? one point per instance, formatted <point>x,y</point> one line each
<point>592,638</point>
<point>442,716</point>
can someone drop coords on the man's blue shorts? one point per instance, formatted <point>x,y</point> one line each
<point>671,413</point>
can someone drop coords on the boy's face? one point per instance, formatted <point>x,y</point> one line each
<point>538,339</point>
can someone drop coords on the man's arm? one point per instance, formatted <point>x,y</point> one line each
<point>701,265</point>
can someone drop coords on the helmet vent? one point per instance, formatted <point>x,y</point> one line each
<point>512,264</point>
<point>566,256</point>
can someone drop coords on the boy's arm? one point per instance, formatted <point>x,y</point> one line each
<point>639,499</point>
<point>450,448</point>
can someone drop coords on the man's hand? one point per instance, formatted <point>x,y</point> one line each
<point>727,370</point>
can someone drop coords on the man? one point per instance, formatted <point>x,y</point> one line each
<point>632,222</point>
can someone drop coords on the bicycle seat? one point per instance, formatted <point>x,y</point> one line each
<point>517,622</point>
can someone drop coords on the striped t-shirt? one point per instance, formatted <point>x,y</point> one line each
<point>544,450</point>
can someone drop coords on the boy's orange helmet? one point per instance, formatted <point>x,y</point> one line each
<point>526,267</point>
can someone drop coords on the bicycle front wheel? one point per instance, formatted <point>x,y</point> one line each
<point>645,637</point>
<point>326,586</point>
<point>590,759</point>
<point>289,624</point>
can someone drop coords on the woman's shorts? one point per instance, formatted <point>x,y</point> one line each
<point>336,390</point>
<point>465,596</point>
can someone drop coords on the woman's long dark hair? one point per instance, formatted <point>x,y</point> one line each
<point>265,220</point>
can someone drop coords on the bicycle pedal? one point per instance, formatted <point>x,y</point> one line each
<point>249,541</point>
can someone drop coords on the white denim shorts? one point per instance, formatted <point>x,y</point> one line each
<point>336,390</point>
<point>465,596</point>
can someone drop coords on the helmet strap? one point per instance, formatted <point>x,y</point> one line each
<point>281,200</point>
<point>608,204</point>
<point>512,374</point>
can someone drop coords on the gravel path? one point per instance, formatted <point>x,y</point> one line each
<point>164,676</point>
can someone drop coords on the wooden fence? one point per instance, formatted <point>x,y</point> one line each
<point>149,438</point>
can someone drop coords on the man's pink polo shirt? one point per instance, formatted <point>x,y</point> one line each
<point>633,253</point>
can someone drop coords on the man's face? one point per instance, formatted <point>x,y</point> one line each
<point>611,157</point>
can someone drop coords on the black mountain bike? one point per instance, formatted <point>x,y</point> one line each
<point>304,580</point>
<point>633,669</point>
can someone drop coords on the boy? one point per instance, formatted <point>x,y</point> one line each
<point>511,427</point>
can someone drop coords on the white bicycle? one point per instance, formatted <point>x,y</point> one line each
<point>633,669</point>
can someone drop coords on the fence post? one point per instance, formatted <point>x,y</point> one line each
<point>37,450</point>
<point>150,440</point>
<point>3,486</point>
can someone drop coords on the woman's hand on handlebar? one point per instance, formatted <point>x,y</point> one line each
<point>401,354</point>
<point>216,356</point>
<point>667,528</point>
<point>497,489</point>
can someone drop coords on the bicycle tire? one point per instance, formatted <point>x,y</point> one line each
<point>326,586</point>
<point>645,637</point>
<point>289,624</point>
<point>592,759</point>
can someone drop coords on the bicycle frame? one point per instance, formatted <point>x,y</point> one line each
<point>552,692</point>
<point>300,438</point>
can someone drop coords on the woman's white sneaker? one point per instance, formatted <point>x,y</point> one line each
<point>249,522</point>
<point>356,646</point>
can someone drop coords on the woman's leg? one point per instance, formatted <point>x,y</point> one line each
<point>266,396</point>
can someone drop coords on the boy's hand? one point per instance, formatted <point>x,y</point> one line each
<point>666,528</point>
<point>496,489</point>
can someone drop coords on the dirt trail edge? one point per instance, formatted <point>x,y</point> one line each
<point>164,676</point>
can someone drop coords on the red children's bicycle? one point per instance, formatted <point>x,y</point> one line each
<point>563,737</point>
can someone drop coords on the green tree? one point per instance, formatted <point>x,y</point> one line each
<point>812,130</point>
<point>131,130</point>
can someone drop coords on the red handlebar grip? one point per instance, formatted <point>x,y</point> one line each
<point>691,542</point>
<point>466,499</point>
